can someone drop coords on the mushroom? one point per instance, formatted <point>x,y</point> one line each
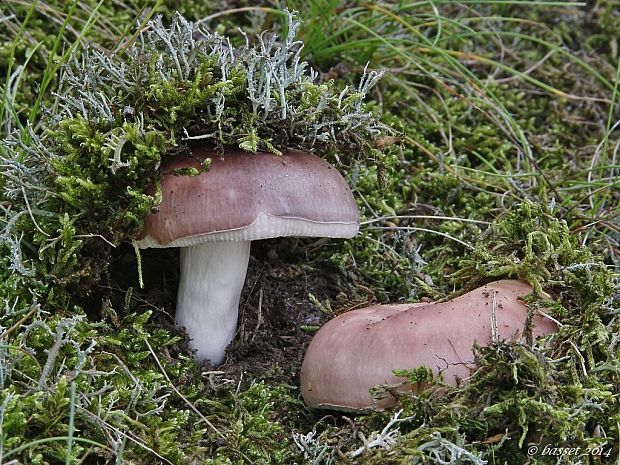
<point>360,349</point>
<point>213,217</point>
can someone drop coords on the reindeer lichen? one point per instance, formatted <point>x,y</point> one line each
<point>192,85</point>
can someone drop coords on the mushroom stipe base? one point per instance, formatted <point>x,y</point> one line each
<point>212,276</point>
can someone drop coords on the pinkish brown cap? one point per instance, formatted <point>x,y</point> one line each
<point>359,349</point>
<point>245,197</point>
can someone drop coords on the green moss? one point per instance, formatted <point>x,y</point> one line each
<point>253,436</point>
<point>99,164</point>
<point>129,396</point>
<point>128,392</point>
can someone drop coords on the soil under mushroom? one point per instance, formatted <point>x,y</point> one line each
<point>270,341</point>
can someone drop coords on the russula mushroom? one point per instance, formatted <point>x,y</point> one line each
<point>360,349</point>
<point>215,215</point>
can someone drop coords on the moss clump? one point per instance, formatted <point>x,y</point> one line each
<point>101,172</point>
<point>126,391</point>
<point>190,84</point>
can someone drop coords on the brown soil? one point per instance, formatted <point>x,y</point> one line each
<point>276,315</point>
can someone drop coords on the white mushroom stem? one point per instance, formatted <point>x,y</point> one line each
<point>212,276</point>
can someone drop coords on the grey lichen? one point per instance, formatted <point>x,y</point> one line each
<point>191,84</point>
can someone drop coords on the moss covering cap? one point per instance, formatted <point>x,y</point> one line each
<point>191,84</point>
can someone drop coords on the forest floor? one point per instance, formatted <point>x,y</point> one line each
<point>501,161</point>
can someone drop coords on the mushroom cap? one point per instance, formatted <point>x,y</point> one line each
<point>360,349</point>
<point>246,196</point>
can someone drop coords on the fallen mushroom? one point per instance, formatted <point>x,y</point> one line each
<point>360,349</point>
<point>215,215</point>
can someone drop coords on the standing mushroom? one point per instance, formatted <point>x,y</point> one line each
<point>213,217</point>
<point>360,349</point>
